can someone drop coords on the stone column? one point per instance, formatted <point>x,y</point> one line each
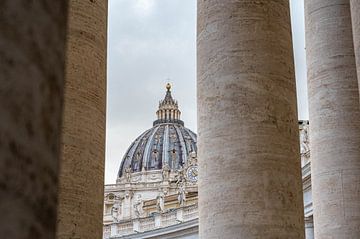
<point>32,52</point>
<point>355,17</point>
<point>334,119</point>
<point>250,179</point>
<point>83,144</point>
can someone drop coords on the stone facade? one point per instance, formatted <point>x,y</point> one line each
<point>137,211</point>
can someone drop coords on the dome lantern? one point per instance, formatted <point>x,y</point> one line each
<point>168,111</point>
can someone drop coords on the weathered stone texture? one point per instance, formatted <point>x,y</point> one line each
<point>355,17</point>
<point>334,119</point>
<point>250,180</point>
<point>82,169</point>
<point>32,45</point>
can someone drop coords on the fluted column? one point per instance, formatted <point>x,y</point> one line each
<point>32,53</point>
<point>355,17</point>
<point>250,180</point>
<point>83,145</point>
<point>334,119</point>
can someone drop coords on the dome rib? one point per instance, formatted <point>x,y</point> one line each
<point>123,161</point>
<point>193,138</point>
<point>183,146</point>
<point>165,159</point>
<point>137,157</point>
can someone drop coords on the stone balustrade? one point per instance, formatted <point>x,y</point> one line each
<point>155,221</point>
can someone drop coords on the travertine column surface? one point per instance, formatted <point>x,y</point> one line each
<point>355,17</point>
<point>83,143</point>
<point>250,180</point>
<point>32,50</point>
<point>334,119</point>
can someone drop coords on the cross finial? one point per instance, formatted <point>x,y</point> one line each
<point>168,86</point>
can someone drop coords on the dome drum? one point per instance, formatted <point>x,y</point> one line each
<point>164,121</point>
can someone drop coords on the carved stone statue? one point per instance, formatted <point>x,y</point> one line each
<point>115,212</point>
<point>160,202</point>
<point>182,194</point>
<point>180,178</point>
<point>138,206</point>
<point>165,172</point>
<point>304,139</point>
<point>192,158</point>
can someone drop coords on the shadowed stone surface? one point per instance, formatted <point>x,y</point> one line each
<point>32,43</point>
<point>355,17</point>
<point>334,119</point>
<point>250,180</point>
<point>83,147</point>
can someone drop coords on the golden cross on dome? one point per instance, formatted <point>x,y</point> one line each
<point>168,86</point>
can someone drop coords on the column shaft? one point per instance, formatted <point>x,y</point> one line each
<point>83,144</point>
<point>32,53</point>
<point>334,119</point>
<point>355,17</point>
<point>250,180</point>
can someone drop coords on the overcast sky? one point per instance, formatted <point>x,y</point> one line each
<point>150,43</point>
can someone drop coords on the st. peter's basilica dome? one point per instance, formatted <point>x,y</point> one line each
<point>168,142</point>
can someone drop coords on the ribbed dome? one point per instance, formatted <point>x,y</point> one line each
<point>168,142</point>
